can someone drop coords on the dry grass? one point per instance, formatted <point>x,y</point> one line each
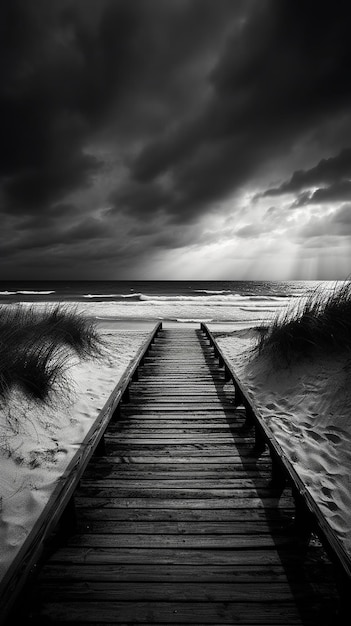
<point>321,323</point>
<point>36,347</point>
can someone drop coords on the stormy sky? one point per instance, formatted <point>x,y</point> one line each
<point>175,139</point>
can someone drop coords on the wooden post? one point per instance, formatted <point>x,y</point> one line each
<point>68,521</point>
<point>238,399</point>
<point>100,449</point>
<point>126,395</point>
<point>278,479</point>
<point>116,413</point>
<point>260,444</point>
<point>227,374</point>
<point>303,517</point>
<point>343,585</point>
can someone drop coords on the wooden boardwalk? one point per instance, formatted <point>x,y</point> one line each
<point>176,522</point>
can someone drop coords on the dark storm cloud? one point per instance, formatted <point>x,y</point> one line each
<point>281,73</point>
<point>338,192</point>
<point>332,175</point>
<point>191,97</point>
<point>73,68</point>
<point>43,129</point>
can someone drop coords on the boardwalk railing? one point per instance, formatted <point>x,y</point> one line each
<point>60,506</point>
<point>309,516</point>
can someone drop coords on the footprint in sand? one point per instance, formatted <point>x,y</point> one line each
<point>331,506</point>
<point>315,436</point>
<point>271,406</point>
<point>335,429</point>
<point>306,425</point>
<point>333,438</point>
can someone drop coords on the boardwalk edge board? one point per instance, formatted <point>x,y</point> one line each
<point>308,514</point>
<point>60,506</point>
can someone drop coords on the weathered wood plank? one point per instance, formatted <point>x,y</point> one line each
<point>176,439</point>
<point>173,612</point>
<point>145,457</point>
<point>172,573</point>
<point>203,430</point>
<point>216,412</point>
<point>182,493</point>
<point>164,470</point>
<point>199,527</point>
<point>192,484</point>
<point>159,514</point>
<point>184,503</point>
<point>92,591</point>
<point>234,464</point>
<point>182,557</point>
<point>177,417</point>
<point>172,451</point>
<point>204,542</point>
<point>145,475</point>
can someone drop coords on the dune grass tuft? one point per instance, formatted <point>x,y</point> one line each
<point>321,322</point>
<point>36,347</point>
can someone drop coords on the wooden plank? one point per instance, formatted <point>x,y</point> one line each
<point>177,439</point>
<point>182,405</point>
<point>112,591</point>
<point>108,465</point>
<point>203,542</point>
<point>169,572</point>
<point>182,557</point>
<point>183,503</point>
<point>168,492</point>
<point>199,527</point>
<point>172,451</point>
<point>217,422</point>
<point>192,484</point>
<point>173,612</point>
<point>144,457</point>
<point>234,516</point>
<point>184,411</point>
<point>128,474</point>
<point>234,463</point>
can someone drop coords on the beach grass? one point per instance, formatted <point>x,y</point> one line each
<point>36,347</point>
<point>319,323</point>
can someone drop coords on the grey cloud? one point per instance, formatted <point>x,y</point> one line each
<point>338,192</point>
<point>328,172</point>
<point>336,225</point>
<point>343,215</point>
<point>271,83</point>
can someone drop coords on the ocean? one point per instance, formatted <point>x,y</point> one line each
<point>187,302</point>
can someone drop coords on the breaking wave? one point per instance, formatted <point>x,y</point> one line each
<point>26,293</point>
